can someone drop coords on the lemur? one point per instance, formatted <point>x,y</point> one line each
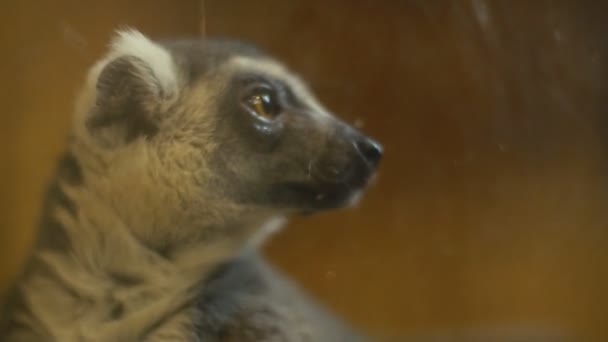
<point>183,155</point>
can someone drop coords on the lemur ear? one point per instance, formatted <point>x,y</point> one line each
<point>131,83</point>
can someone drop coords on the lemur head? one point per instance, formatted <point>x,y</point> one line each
<point>206,132</point>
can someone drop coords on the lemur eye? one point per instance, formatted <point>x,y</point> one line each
<point>263,104</point>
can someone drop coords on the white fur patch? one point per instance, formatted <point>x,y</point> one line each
<point>131,42</point>
<point>266,230</point>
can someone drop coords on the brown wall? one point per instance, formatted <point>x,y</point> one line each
<point>489,207</point>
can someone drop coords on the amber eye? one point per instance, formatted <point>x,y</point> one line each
<point>263,104</point>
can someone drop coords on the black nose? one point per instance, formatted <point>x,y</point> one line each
<point>370,150</point>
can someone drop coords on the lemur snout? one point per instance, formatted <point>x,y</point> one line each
<point>370,150</point>
<point>365,156</point>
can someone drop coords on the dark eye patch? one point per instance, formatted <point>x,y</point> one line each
<point>283,92</point>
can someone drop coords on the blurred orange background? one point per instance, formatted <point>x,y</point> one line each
<point>489,210</point>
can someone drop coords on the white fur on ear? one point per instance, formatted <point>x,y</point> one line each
<point>131,42</point>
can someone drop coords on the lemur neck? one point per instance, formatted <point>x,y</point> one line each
<point>90,249</point>
<point>81,234</point>
<point>88,267</point>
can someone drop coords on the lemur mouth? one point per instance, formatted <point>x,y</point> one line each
<point>331,186</point>
<point>322,196</point>
<point>339,188</point>
<point>330,194</point>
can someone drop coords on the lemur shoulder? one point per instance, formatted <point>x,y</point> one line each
<point>182,155</point>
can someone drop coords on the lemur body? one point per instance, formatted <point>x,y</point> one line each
<point>182,155</point>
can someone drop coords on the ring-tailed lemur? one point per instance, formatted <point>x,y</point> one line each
<point>182,154</point>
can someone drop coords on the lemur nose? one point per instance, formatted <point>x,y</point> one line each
<point>370,150</point>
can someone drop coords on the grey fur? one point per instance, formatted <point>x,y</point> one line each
<point>167,183</point>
